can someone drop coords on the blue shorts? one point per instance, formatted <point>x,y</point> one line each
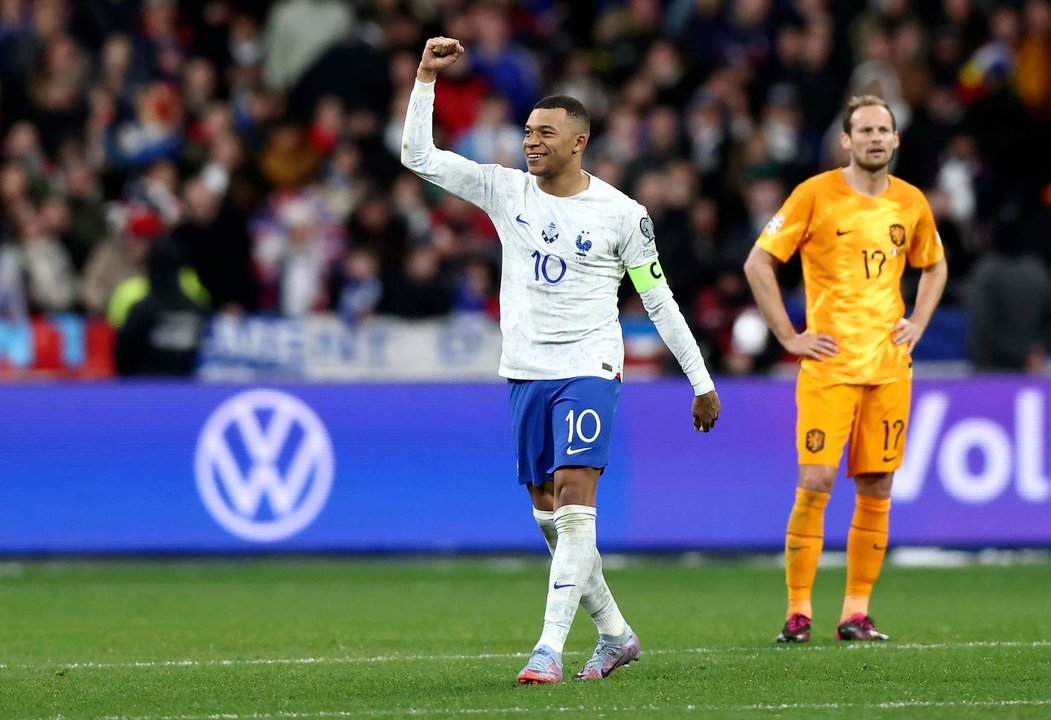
<point>559,423</point>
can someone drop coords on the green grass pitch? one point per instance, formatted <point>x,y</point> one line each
<point>444,638</point>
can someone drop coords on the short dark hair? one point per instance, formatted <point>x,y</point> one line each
<point>573,107</point>
<point>860,101</point>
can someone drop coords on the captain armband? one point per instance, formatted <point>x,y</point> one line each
<point>648,276</point>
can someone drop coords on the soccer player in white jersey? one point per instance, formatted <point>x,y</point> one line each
<point>568,238</point>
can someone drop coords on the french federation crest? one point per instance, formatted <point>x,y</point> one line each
<point>897,235</point>
<point>550,234</point>
<point>583,245</point>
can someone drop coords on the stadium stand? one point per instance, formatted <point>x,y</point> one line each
<point>263,137</point>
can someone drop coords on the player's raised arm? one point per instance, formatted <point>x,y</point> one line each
<point>438,54</point>
<point>447,170</point>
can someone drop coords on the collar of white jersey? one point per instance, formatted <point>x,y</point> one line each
<point>577,196</point>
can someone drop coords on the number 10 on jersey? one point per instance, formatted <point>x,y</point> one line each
<point>551,268</point>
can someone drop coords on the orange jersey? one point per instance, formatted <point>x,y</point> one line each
<point>853,248</point>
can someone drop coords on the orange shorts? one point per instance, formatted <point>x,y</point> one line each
<point>874,418</point>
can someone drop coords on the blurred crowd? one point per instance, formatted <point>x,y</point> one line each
<point>260,141</point>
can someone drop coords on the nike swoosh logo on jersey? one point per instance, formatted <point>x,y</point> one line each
<point>559,587</point>
<point>843,232</point>
<point>518,218</point>
<point>574,451</point>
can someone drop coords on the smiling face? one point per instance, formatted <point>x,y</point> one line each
<point>872,139</point>
<point>553,143</point>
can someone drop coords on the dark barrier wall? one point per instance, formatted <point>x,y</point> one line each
<point>208,468</point>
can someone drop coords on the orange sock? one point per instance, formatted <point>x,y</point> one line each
<point>866,547</point>
<point>803,542</point>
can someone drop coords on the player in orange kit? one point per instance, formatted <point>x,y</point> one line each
<point>855,228</point>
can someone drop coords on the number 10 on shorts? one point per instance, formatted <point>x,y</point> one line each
<point>582,424</point>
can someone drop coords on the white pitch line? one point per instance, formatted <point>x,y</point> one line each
<point>652,707</point>
<point>351,660</point>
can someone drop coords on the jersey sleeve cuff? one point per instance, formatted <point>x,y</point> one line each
<point>702,382</point>
<point>425,88</point>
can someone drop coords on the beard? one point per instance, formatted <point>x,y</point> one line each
<point>872,165</point>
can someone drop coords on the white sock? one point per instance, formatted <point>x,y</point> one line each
<point>545,519</point>
<point>597,600</point>
<point>603,608</point>
<point>572,564</point>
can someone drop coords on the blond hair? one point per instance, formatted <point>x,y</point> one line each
<point>860,101</point>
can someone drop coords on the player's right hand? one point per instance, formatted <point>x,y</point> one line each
<point>438,54</point>
<point>816,347</point>
<point>706,410</point>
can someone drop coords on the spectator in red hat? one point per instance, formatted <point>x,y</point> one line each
<point>120,256</point>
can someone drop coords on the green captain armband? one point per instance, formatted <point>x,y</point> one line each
<point>648,276</point>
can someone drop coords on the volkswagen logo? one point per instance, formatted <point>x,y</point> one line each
<point>264,465</point>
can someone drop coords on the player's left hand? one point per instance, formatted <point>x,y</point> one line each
<point>706,411</point>
<point>907,333</point>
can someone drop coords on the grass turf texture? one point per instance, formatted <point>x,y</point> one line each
<point>313,638</point>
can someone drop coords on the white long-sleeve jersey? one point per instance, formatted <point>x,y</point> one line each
<point>563,261</point>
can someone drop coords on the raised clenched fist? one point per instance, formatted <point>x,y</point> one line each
<point>438,54</point>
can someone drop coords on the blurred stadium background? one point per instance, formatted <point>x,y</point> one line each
<point>356,304</point>
<point>343,400</point>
